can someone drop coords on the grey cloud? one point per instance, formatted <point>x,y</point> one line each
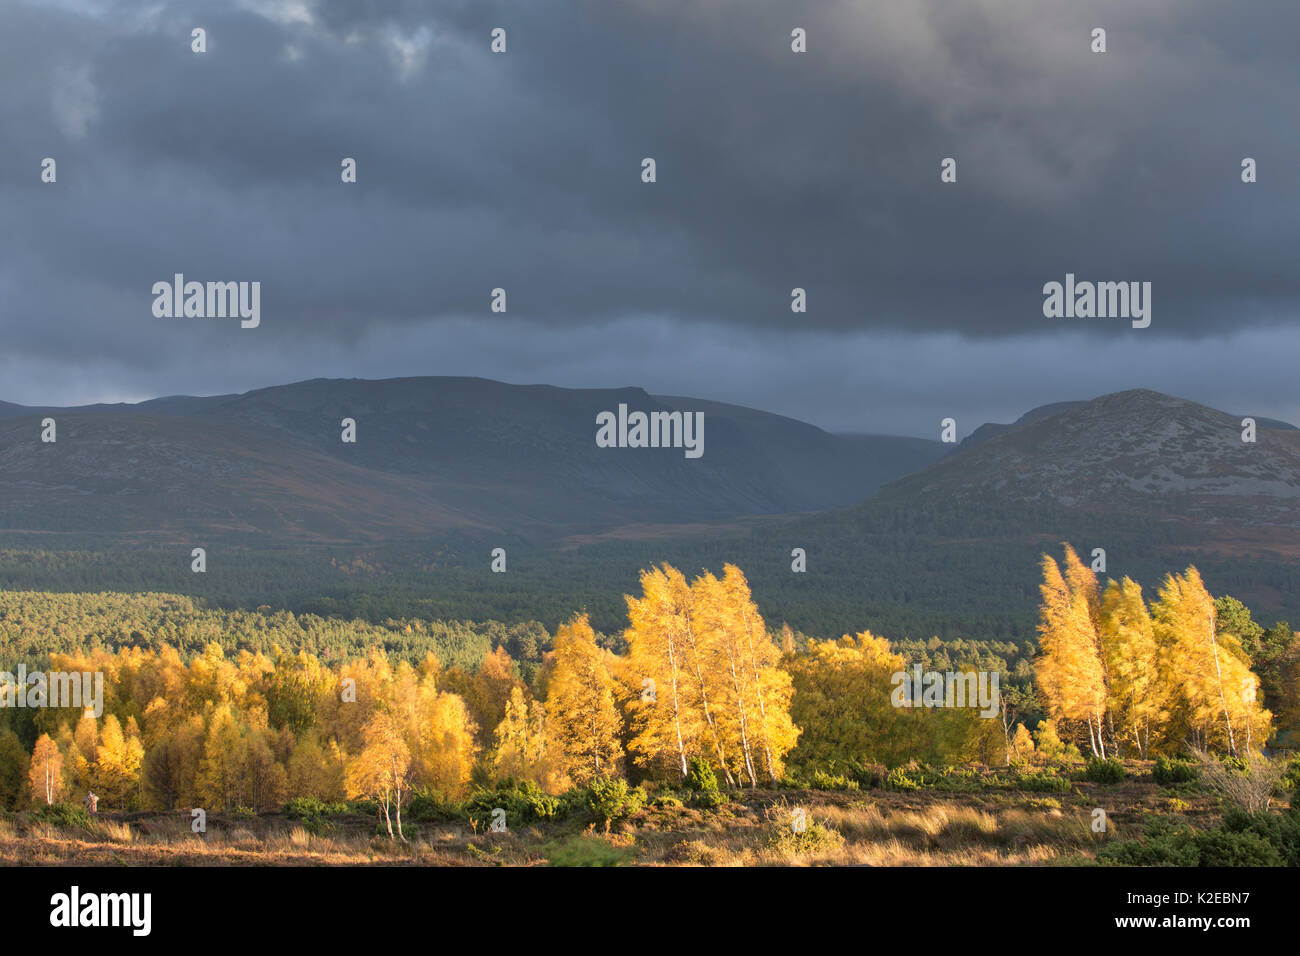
<point>775,170</point>
<point>884,381</point>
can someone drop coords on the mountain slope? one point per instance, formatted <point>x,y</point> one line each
<point>993,429</point>
<point>432,455</point>
<point>123,476</point>
<point>1134,451</point>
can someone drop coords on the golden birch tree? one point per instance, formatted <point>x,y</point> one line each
<point>580,704</point>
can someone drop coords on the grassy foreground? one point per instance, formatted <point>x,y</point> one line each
<point>875,827</point>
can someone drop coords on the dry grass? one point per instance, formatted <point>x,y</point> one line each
<point>110,831</point>
<point>869,828</point>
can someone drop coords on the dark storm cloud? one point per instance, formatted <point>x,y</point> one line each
<point>775,170</point>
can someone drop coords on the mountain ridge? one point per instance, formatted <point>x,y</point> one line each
<point>1120,452</point>
<point>441,452</point>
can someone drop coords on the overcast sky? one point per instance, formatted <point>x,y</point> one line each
<point>522,170</point>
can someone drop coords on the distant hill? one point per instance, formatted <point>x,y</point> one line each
<point>433,455</point>
<point>1129,452</point>
<point>992,429</point>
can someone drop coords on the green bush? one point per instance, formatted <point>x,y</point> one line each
<point>1280,830</point>
<point>793,780</point>
<point>709,799</point>
<point>611,799</point>
<point>303,808</point>
<point>428,806</point>
<point>312,808</point>
<point>701,778</point>
<point>867,774</point>
<point>900,779</point>
<point>1043,781</point>
<point>523,802</point>
<point>826,781</point>
<point>1219,847</point>
<point>1169,771</point>
<point>1291,777</point>
<point>802,776</point>
<point>925,777</point>
<point>957,780</point>
<point>1235,763</point>
<point>1107,771</point>
<point>64,815</point>
<point>314,813</point>
<point>1243,839</point>
<point>815,837</point>
<point>702,784</point>
<point>1163,843</point>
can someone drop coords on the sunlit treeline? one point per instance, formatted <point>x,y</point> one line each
<point>1130,679</point>
<point>703,678</point>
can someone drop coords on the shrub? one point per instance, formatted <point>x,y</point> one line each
<point>899,779</point>
<point>523,802</point>
<point>1170,770</point>
<point>826,781</point>
<point>1045,781</point>
<point>429,806</point>
<point>65,815</point>
<point>1231,763</point>
<point>700,777</point>
<point>1279,830</point>
<point>1106,771</point>
<point>1249,784</point>
<point>611,799</point>
<point>709,799</point>
<point>1243,839</point>
<point>1291,776</point>
<point>1049,742</point>
<point>310,808</point>
<point>314,813</point>
<point>702,784</point>
<point>1163,843</point>
<point>868,774</point>
<point>950,779</point>
<point>956,779</point>
<point>793,780</point>
<point>1219,847</point>
<point>814,838</point>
